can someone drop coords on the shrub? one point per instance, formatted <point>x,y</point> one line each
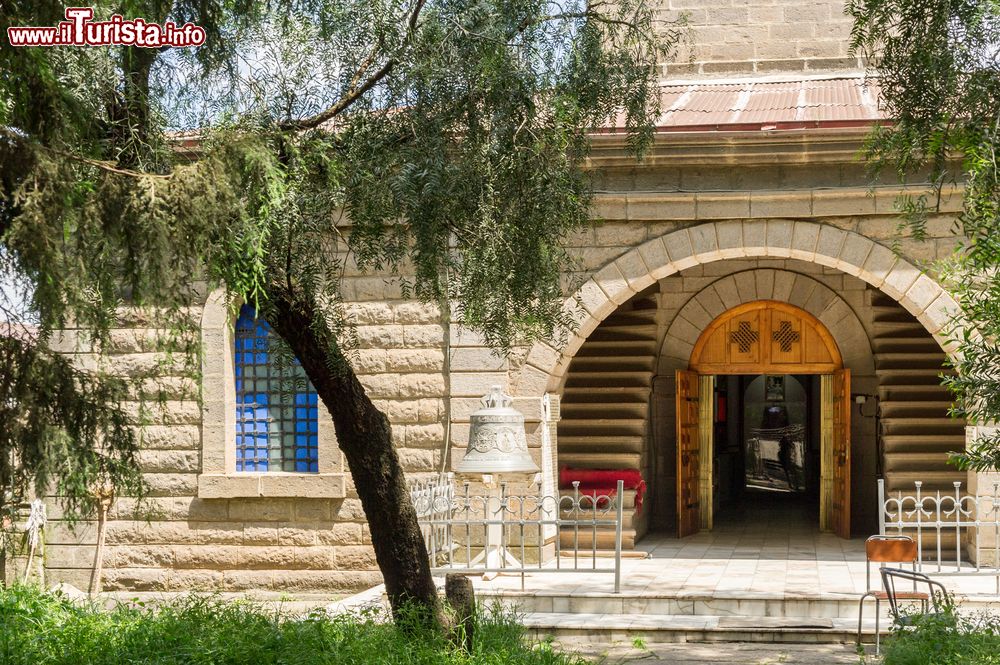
<point>40,628</point>
<point>946,639</point>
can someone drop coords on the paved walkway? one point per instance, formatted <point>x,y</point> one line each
<point>770,546</point>
<point>720,653</point>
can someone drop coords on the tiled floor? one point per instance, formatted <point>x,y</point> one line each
<point>769,548</point>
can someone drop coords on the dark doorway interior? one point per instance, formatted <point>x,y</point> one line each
<point>767,445</point>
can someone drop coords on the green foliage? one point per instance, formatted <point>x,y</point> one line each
<point>62,429</point>
<point>444,140</point>
<point>949,638</point>
<point>937,66</point>
<point>47,629</point>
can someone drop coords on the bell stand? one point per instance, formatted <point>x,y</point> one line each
<point>495,553</point>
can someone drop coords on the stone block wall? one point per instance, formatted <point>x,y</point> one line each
<point>730,36</point>
<point>292,539</point>
<point>695,213</point>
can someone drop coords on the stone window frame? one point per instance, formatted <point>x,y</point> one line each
<point>218,478</point>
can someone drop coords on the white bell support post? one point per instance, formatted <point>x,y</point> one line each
<point>495,554</point>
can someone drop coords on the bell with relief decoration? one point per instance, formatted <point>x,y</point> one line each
<point>496,438</point>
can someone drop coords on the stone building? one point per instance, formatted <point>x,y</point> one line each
<point>748,250</point>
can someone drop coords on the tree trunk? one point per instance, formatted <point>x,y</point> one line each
<point>365,438</point>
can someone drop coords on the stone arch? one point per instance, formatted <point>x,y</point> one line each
<point>638,268</point>
<point>816,298</point>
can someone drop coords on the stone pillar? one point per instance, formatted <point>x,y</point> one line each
<point>985,485</point>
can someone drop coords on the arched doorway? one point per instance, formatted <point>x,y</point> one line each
<point>770,339</point>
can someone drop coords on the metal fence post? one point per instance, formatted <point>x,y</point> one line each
<point>618,536</point>
<point>881,507</point>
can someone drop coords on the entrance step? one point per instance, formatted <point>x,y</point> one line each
<point>605,538</point>
<point>664,628</point>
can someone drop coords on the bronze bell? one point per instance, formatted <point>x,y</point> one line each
<point>496,438</point>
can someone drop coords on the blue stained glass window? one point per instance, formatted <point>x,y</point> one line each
<point>276,414</point>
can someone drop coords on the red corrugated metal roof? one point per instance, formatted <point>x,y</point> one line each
<point>768,104</point>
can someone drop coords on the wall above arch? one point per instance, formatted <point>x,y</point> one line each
<point>782,284</point>
<point>823,244</point>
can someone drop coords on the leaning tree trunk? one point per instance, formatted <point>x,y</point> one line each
<point>365,438</point>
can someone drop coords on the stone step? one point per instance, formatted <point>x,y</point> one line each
<point>609,379</point>
<point>933,481</point>
<point>612,363</point>
<point>898,461</point>
<point>600,347</point>
<point>603,426</point>
<point>599,443</point>
<point>923,442</point>
<point>682,603</point>
<point>606,333</point>
<point>941,425</point>
<point>887,362</point>
<point>915,409</point>
<point>830,605</point>
<point>583,541</point>
<point>601,460</point>
<point>910,378</point>
<point>629,498</point>
<point>693,628</point>
<point>932,393</point>
<point>605,395</point>
<point>630,318</point>
<point>898,329</point>
<point>907,344</point>
<point>585,411</point>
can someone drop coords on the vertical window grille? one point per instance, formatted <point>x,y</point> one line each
<point>276,404</point>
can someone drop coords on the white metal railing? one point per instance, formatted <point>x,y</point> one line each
<point>498,532</point>
<point>955,531</point>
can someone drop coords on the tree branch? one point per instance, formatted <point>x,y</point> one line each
<point>97,163</point>
<point>357,88</point>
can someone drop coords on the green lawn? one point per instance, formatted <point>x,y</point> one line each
<point>40,628</point>
<point>947,640</point>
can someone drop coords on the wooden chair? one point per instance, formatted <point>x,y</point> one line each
<point>883,550</point>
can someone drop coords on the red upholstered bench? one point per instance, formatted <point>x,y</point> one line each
<point>603,482</point>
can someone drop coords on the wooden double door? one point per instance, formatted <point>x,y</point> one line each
<point>762,337</point>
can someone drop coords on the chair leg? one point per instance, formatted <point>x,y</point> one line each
<point>861,614</point>
<point>878,633</point>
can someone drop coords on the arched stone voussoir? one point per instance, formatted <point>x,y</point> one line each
<point>848,251</point>
<point>810,294</point>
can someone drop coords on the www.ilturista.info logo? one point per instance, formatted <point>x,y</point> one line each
<point>79,30</point>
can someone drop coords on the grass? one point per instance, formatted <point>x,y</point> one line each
<point>42,628</point>
<point>946,639</point>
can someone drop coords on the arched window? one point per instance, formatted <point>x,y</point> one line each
<point>277,424</point>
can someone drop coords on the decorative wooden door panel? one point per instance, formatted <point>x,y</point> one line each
<point>841,453</point>
<point>765,337</point>
<point>688,454</point>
